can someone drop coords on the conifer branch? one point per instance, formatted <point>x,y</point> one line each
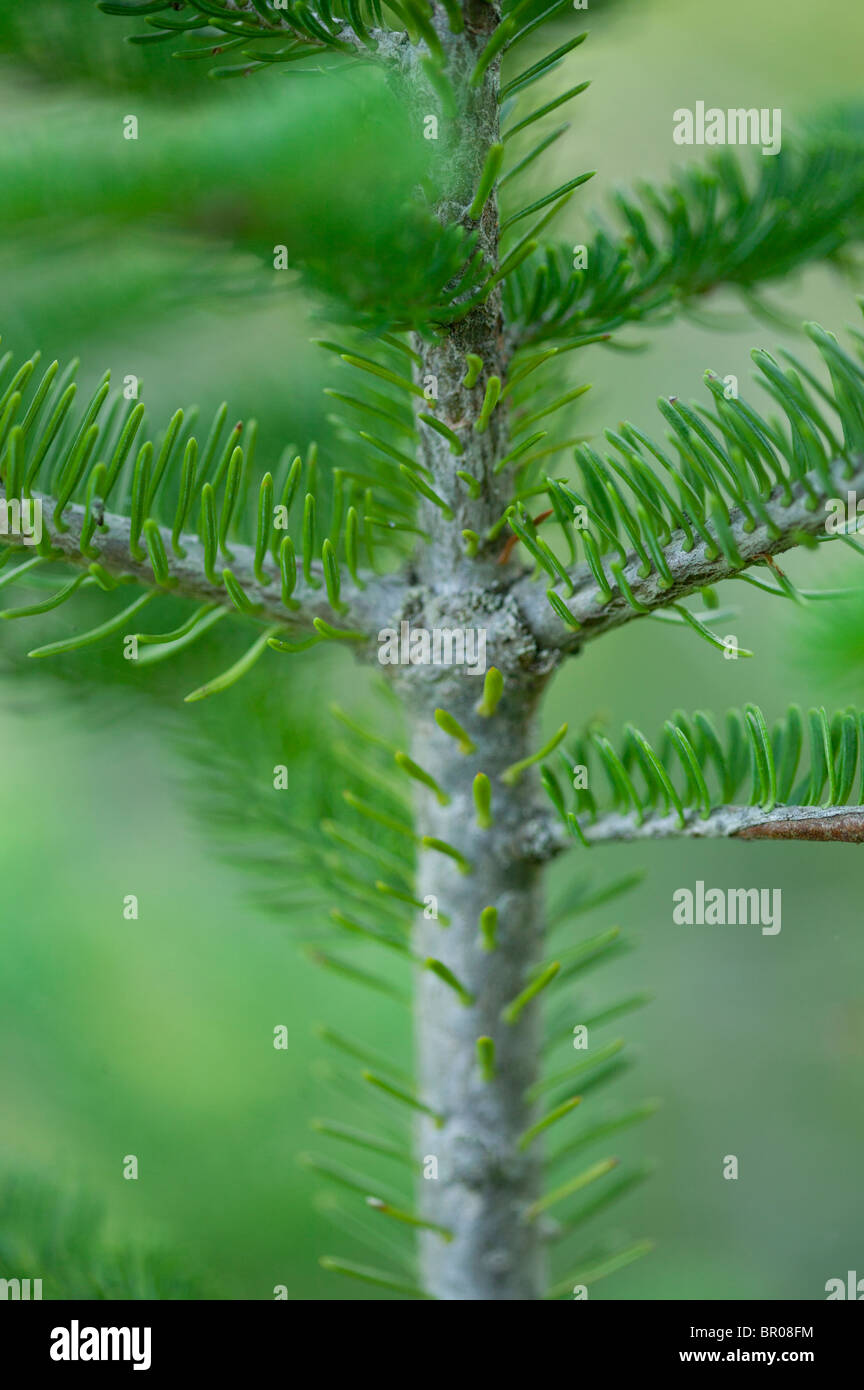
<point>805,779</point>
<point>689,570</point>
<point>722,224</point>
<point>186,577</point>
<point>312,29</point>
<point>733,489</point>
<point>840,824</point>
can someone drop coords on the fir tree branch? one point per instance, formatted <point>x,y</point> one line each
<point>242,22</point>
<point>720,225</point>
<point>548,836</point>
<point>733,488</point>
<point>690,570</point>
<point>290,552</point>
<point>366,608</point>
<point>799,780</point>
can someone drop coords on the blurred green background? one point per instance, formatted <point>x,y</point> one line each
<point>154,1037</point>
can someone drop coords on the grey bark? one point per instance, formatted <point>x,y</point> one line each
<point>543,836</point>
<point>484,1181</point>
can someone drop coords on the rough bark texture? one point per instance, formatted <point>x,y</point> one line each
<point>484,1181</point>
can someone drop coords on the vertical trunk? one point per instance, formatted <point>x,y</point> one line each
<point>484,1182</point>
